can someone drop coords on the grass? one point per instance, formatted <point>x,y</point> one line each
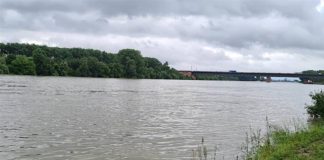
<point>299,145</point>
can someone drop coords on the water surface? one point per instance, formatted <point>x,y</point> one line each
<point>118,119</point>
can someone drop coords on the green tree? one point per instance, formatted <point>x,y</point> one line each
<point>44,65</point>
<point>83,69</point>
<point>316,110</point>
<point>108,58</point>
<point>130,68</point>
<point>10,58</point>
<point>61,68</point>
<point>74,65</point>
<point>96,68</point>
<point>3,67</point>
<point>22,65</point>
<point>133,63</point>
<point>116,70</point>
<point>310,72</point>
<point>127,63</point>
<point>152,63</point>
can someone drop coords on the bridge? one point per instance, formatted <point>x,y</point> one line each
<point>268,75</point>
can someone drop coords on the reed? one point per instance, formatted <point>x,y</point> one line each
<point>201,152</point>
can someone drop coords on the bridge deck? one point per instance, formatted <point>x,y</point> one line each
<point>300,75</point>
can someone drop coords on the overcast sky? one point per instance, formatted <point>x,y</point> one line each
<point>220,35</point>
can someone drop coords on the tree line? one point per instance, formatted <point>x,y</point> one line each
<point>31,59</point>
<point>313,79</point>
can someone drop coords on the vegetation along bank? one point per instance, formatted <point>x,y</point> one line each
<point>30,59</point>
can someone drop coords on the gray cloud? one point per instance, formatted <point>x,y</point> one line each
<point>291,8</point>
<point>212,35</point>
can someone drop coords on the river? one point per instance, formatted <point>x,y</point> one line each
<point>119,119</point>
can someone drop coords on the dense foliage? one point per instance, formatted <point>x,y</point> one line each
<point>26,59</point>
<point>316,110</point>
<point>313,72</point>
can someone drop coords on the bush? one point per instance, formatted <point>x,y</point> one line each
<point>316,110</point>
<point>3,69</point>
<point>22,65</point>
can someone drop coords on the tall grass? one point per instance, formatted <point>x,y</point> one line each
<point>201,152</point>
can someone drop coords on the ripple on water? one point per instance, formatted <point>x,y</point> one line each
<point>67,118</point>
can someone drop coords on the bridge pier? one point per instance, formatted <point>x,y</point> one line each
<point>268,79</point>
<point>258,78</point>
<point>188,74</point>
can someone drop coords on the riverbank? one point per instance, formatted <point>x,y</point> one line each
<point>300,145</point>
<point>303,143</point>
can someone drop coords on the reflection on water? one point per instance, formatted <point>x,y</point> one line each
<point>89,118</point>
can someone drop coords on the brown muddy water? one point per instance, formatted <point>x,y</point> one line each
<point>117,119</point>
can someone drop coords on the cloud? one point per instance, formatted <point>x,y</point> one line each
<point>211,35</point>
<point>320,6</point>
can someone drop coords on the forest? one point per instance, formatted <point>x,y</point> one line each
<point>41,60</point>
